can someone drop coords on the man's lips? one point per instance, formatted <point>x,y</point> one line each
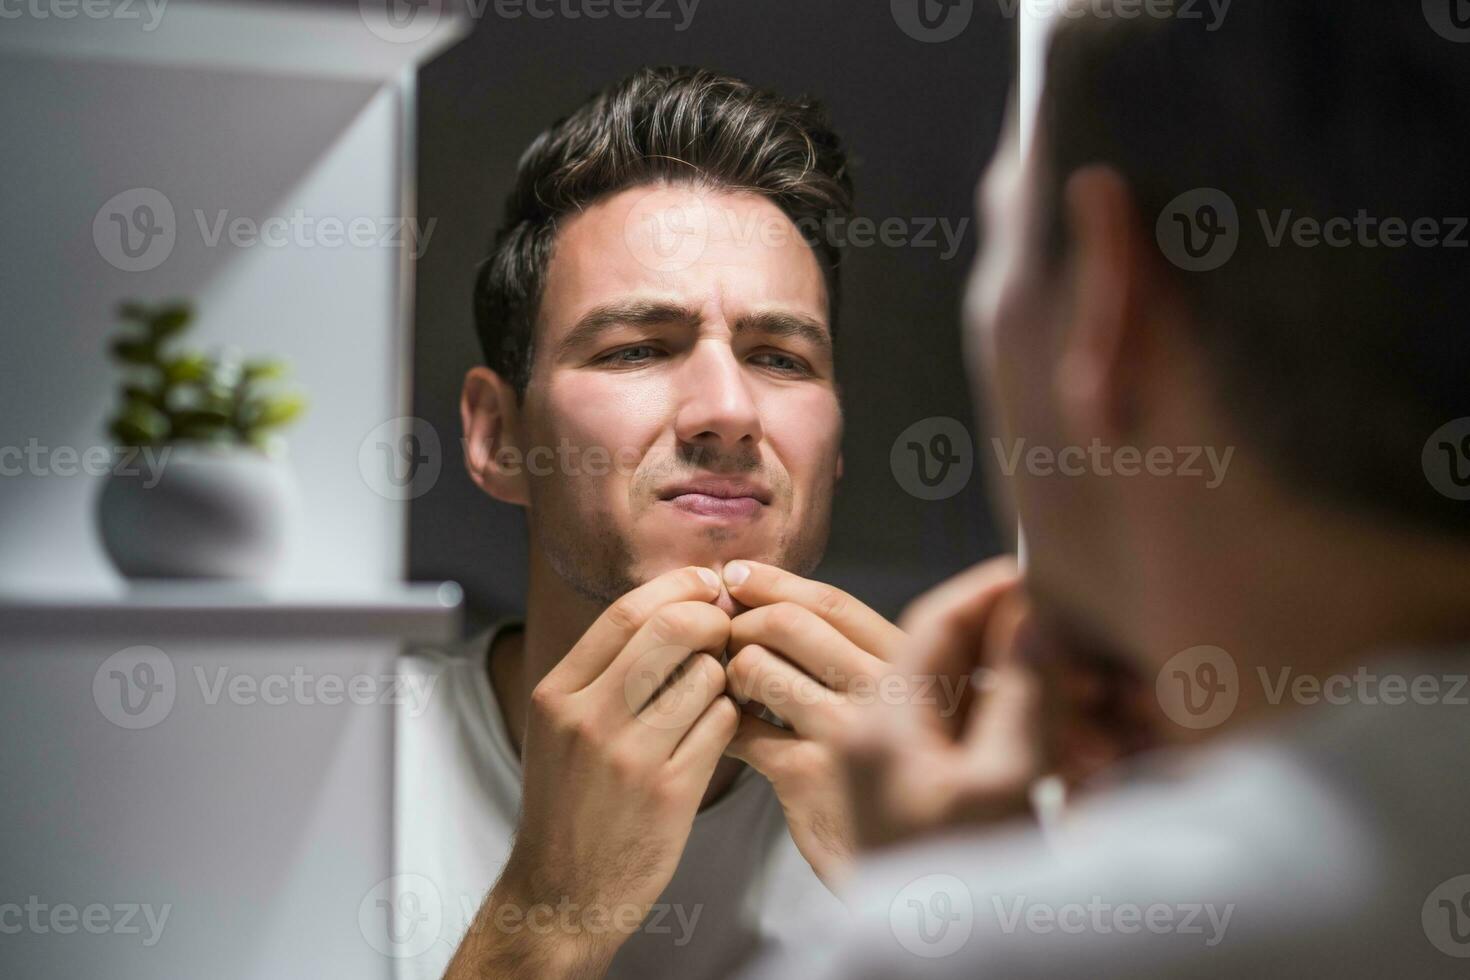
<point>706,505</point>
<point>717,498</point>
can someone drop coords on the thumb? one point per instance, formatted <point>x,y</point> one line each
<point>1003,737</point>
<point>1011,697</point>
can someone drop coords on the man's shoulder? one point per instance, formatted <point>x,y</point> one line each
<point>468,652</point>
<point>1211,862</point>
<point>460,702</point>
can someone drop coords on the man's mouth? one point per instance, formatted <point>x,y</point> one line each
<point>717,497</point>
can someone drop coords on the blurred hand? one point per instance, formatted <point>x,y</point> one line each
<point>1037,707</point>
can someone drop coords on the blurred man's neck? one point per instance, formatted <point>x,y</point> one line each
<point>1316,591</point>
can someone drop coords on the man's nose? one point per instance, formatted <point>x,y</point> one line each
<point>717,408</point>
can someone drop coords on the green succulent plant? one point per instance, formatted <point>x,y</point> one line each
<point>186,396</point>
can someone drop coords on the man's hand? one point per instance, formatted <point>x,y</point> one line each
<point>820,660</point>
<point>623,737</point>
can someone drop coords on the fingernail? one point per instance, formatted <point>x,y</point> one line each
<point>710,578</point>
<point>736,572</point>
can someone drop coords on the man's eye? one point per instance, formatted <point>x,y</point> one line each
<point>630,355</point>
<point>783,363</point>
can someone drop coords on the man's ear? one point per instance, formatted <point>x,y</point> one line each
<point>493,453</point>
<point>1105,348</point>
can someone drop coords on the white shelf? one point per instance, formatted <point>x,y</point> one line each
<point>418,612</point>
<point>350,41</point>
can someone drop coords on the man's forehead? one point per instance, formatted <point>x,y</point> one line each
<point>628,249</point>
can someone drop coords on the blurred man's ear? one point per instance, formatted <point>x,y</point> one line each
<point>493,453</point>
<point>1105,350</point>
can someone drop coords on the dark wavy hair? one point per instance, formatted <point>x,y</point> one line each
<point>681,125</point>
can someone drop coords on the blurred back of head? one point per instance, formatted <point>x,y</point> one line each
<point>1337,361</point>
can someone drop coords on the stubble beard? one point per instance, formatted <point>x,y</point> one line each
<point>599,562</point>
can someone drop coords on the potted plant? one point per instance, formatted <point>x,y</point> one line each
<point>200,488</point>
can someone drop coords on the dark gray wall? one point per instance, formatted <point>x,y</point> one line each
<point>920,120</point>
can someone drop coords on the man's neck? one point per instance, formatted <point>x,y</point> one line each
<point>556,618</point>
<point>1311,592</point>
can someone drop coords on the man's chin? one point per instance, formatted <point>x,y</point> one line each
<point>712,559</point>
<point>727,605</point>
<point>661,551</point>
<point>647,571</point>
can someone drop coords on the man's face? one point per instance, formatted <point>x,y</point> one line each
<point>682,386</point>
<point>1017,310</point>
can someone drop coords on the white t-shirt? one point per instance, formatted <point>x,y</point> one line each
<point>1334,844</point>
<point>740,884</point>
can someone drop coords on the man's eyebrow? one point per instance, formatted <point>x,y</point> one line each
<point>635,314</point>
<point>778,323</point>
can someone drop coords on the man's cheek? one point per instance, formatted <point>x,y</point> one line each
<point>810,443</point>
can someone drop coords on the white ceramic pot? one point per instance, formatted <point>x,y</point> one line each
<point>191,511</point>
